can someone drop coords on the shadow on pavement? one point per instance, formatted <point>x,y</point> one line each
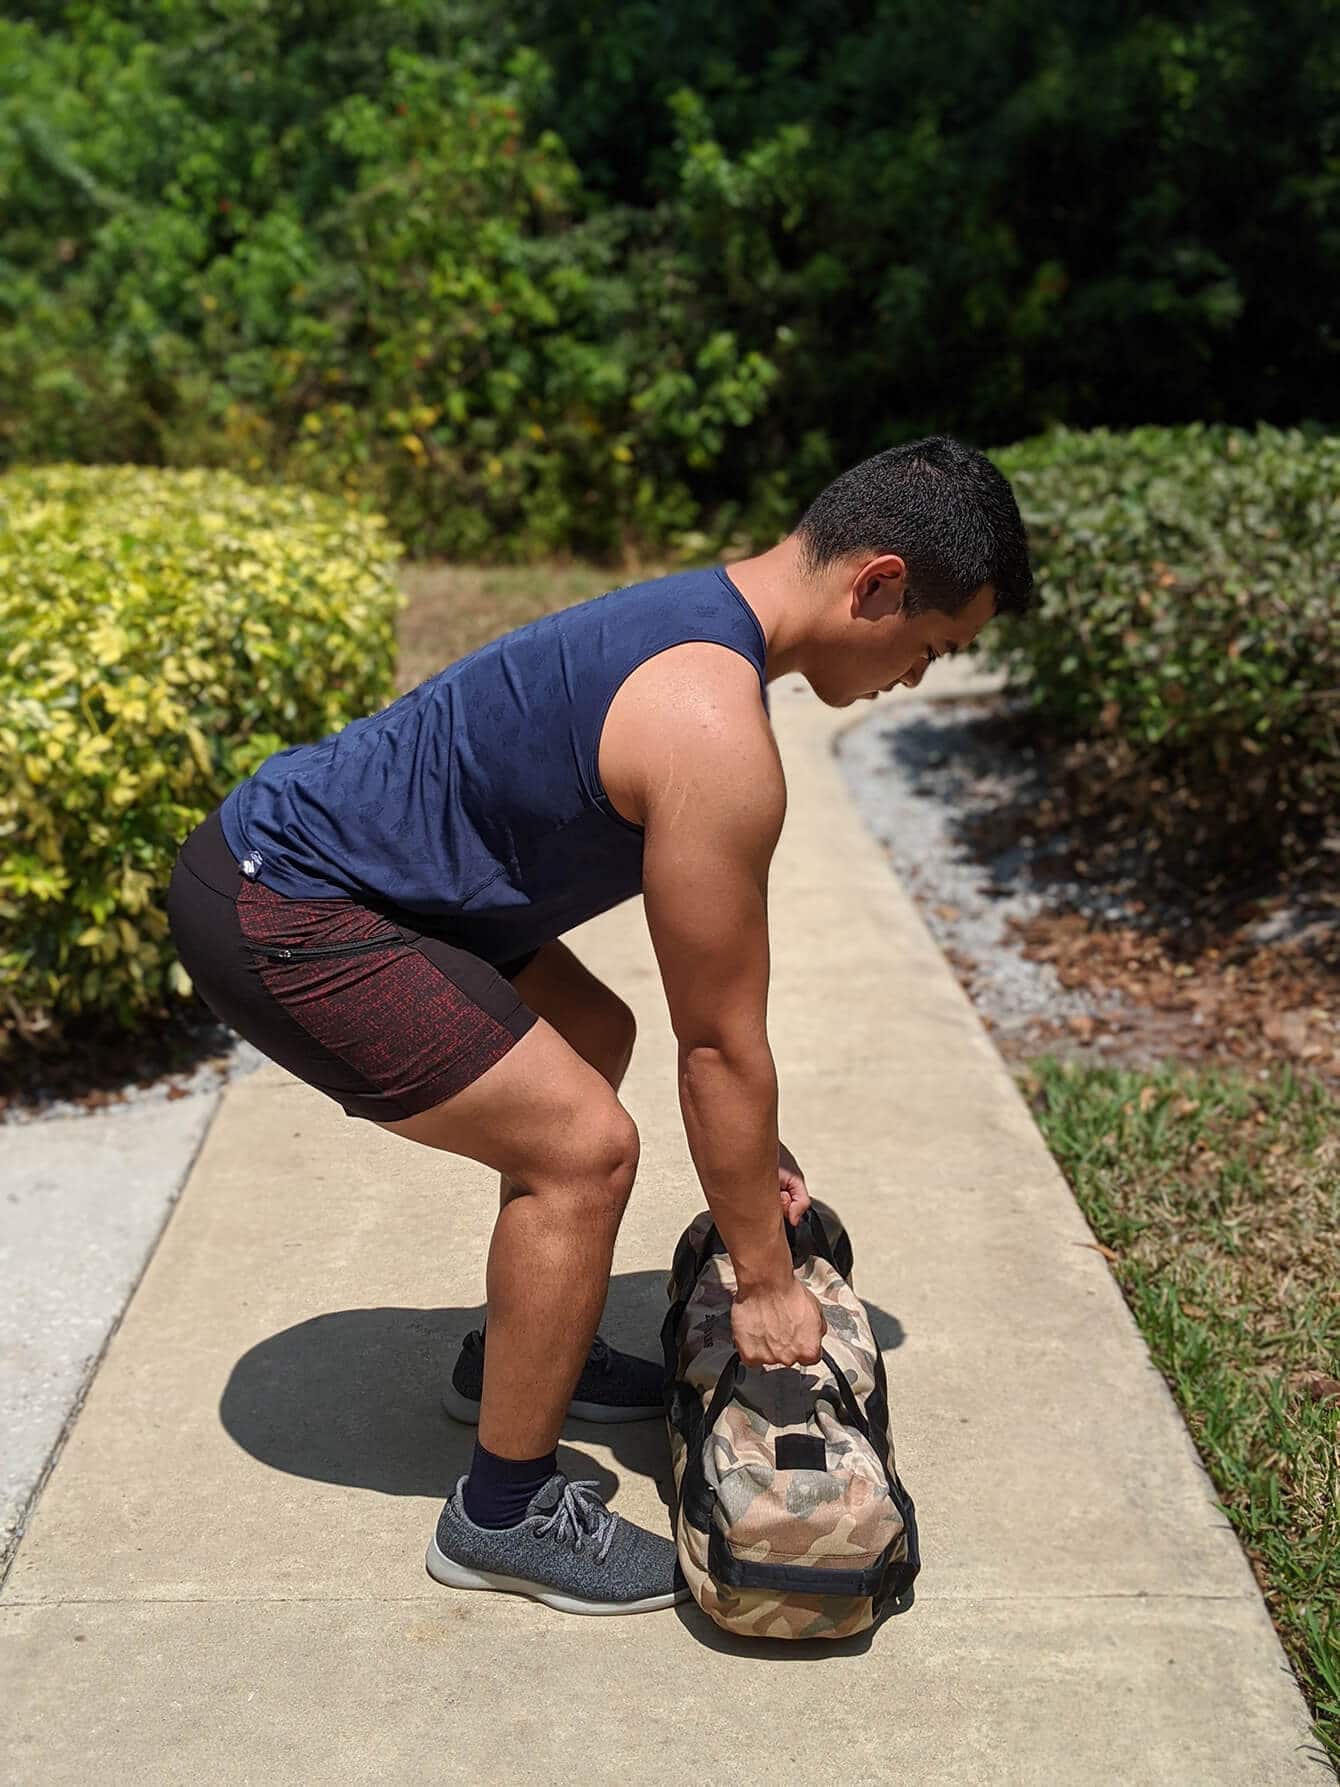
<point>354,1396</point>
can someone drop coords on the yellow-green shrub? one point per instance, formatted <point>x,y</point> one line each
<point>161,633</point>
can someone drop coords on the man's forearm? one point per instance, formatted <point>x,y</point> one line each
<point>729,1102</point>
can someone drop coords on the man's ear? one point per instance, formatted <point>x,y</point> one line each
<point>880,585</point>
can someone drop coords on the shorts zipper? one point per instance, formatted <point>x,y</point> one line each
<point>280,954</point>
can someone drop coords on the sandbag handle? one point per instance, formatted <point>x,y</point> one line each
<point>809,1229</point>
<point>847,1396</point>
<point>820,1243</point>
<point>730,1377</point>
<point>691,1486</point>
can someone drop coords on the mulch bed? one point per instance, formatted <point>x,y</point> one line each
<point>1228,947</point>
<point>1237,1002</point>
<point>97,1066</point>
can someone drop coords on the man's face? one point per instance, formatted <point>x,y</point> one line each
<point>878,645</point>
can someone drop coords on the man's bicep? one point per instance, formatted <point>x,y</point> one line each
<point>705,875</point>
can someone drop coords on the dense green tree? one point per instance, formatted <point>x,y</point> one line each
<point>1010,211</point>
<point>558,274</point>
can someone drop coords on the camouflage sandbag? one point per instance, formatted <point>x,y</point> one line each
<point>788,1513</point>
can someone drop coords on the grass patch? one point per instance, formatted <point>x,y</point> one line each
<point>1219,1197</point>
<point>454,609</point>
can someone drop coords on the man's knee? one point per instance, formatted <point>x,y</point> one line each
<point>599,1180</point>
<point>615,1157</point>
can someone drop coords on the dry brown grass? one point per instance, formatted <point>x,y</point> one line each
<point>454,609</point>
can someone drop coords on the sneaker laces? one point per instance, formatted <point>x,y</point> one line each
<point>579,1515</point>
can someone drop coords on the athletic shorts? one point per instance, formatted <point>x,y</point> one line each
<point>383,1018</point>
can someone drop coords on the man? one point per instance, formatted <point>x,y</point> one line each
<point>380,912</point>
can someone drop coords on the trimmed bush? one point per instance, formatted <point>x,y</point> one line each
<point>1189,607</point>
<point>161,633</point>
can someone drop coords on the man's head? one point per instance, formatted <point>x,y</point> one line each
<point>908,554</point>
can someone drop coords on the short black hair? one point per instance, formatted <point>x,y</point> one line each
<point>939,505</point>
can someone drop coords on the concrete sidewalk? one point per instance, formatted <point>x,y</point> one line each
<point>223,1581</point>
<point>85,1200</point>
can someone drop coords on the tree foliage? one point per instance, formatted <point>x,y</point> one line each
<point>551,276</point>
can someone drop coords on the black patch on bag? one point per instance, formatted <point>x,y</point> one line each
<point>800,1452</point>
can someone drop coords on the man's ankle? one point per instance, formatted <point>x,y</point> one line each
<point>499,1490</point>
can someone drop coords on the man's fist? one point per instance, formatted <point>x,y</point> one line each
<point>779,1324</point>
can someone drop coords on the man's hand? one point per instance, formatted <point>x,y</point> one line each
<point>782,1324</point>
<point>778,1324</point>
<point>791,1183</point>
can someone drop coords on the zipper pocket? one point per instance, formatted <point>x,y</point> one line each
<point>278,953</point>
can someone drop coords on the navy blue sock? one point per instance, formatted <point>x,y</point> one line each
<point>498,1490</point>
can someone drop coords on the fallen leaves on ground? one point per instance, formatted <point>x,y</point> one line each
<point>1239,1001</point>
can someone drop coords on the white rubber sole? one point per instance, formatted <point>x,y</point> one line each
<point>463,1408</point>
<point>454,1575</point>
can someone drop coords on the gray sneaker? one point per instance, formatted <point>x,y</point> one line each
<point>569,1551</point>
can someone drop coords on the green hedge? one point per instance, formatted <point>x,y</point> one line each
<point>1188,604</point>
<point>161,633</point>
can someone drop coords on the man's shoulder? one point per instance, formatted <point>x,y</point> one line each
<point>692,714</point>
<point>701,689</point>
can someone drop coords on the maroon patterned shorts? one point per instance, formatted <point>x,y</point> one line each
<point>382,1018</point>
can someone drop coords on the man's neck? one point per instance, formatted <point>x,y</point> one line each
<point>774,586</point>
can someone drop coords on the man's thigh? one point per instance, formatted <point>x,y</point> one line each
<point>540,1115</point>
<point>590,1017</point>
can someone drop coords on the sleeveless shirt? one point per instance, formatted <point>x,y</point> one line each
<point>473,805</point>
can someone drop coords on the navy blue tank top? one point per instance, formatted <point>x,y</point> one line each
<point>474,804</point>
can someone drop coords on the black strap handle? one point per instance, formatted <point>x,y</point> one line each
<point>693,1501</point>
<point>730,1377</point>
<point>808,1236</point>
<point>795,1578</point>
<point>847,1396</point>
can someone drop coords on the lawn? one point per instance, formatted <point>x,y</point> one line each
<point>1217,1199</point>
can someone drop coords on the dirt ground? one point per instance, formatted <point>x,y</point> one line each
<point>1077,928</point>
